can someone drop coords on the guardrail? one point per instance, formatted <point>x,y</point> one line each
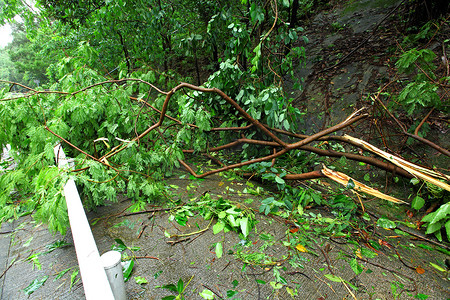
<point>95,282</point>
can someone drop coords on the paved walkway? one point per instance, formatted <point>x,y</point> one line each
<point>193,259</point>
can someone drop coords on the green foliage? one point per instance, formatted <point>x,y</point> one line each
<point>410,60</point>
<point>140,280</point>
<point>206,294</point>
<point>423,92</point>
<point>73,48</point>
<point>437,220</point>
<point>7,69</point>
<point>417,203</point>
<point>30,56</point>
<point>230,216</point>
<point>34,285</point>
<point>179,289</point>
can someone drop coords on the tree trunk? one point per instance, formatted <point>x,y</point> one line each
<point>125,52</point>
<point>293,19</point>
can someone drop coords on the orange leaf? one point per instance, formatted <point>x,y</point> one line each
<point>420,270</point>
<point>358,253</point>
<point>301,248</point>
<point>384,243</point>
<point>293,230</point>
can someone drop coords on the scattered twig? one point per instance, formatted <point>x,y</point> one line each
<point>329,285</point>
<point>192,233</point>
<point>204,285</point>
<point>301,273</point>
<point>329,265</point>
<point>413,135</point>
<point>144,212</point>
<point>146,256</point>
<point>142,231</point>
<point>416,132</point>
<point>199,235</point>
<point>10,265</point>
<point>401,260</point>
<point>177,241</point>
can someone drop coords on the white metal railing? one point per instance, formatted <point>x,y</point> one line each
<point>95,282</point>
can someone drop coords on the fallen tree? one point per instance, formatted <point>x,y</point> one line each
<point>116,155</point>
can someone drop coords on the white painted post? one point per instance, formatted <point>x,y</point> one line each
<point>95,281</point>
<point>112,262</point>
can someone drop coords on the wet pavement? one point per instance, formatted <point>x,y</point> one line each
<point>267,266</point>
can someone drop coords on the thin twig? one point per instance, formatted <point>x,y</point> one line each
<point>177,241</point>
<point>142,231</point>
<point>146,256</point>
<point>204,285</point>
<point>192,233</point>
<point>10,265</point>
<point>144,212</point>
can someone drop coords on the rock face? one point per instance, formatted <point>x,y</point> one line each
<point>339,73</point>
<point>349,59</point>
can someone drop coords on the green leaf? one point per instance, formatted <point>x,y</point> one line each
<point>156,275</point>
<point>437,267</point>
<point>447,229</point>
<point>235,283</point>
<point>56,245</point>
<point>34,285</point>
<point>425,247</point>
<point>415,181</point>
<point>442,212</point>
<point>207,294</point>
<point>219,250</point>
<point>61,274</point>
<point>417,203</point>
<point>356,267</point>
<point>73,276</point>
<point>300,210</point>
<point>386,223</point>
<point>180,286</point>
<point>170,287</point>
<point>140,280</point>
<point>120,245</point>
<point>260,281</point>
<point>233,221</point>
<point>434,227</point>
<point>245,227</point>
<point>218,227</point>
<point>127,269</point>
<point>279,180</point>
<point>334,278</point>
<point>231,293</point>
<point>276,285</point>
<point>350,184</point>
<point>367,253</point>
